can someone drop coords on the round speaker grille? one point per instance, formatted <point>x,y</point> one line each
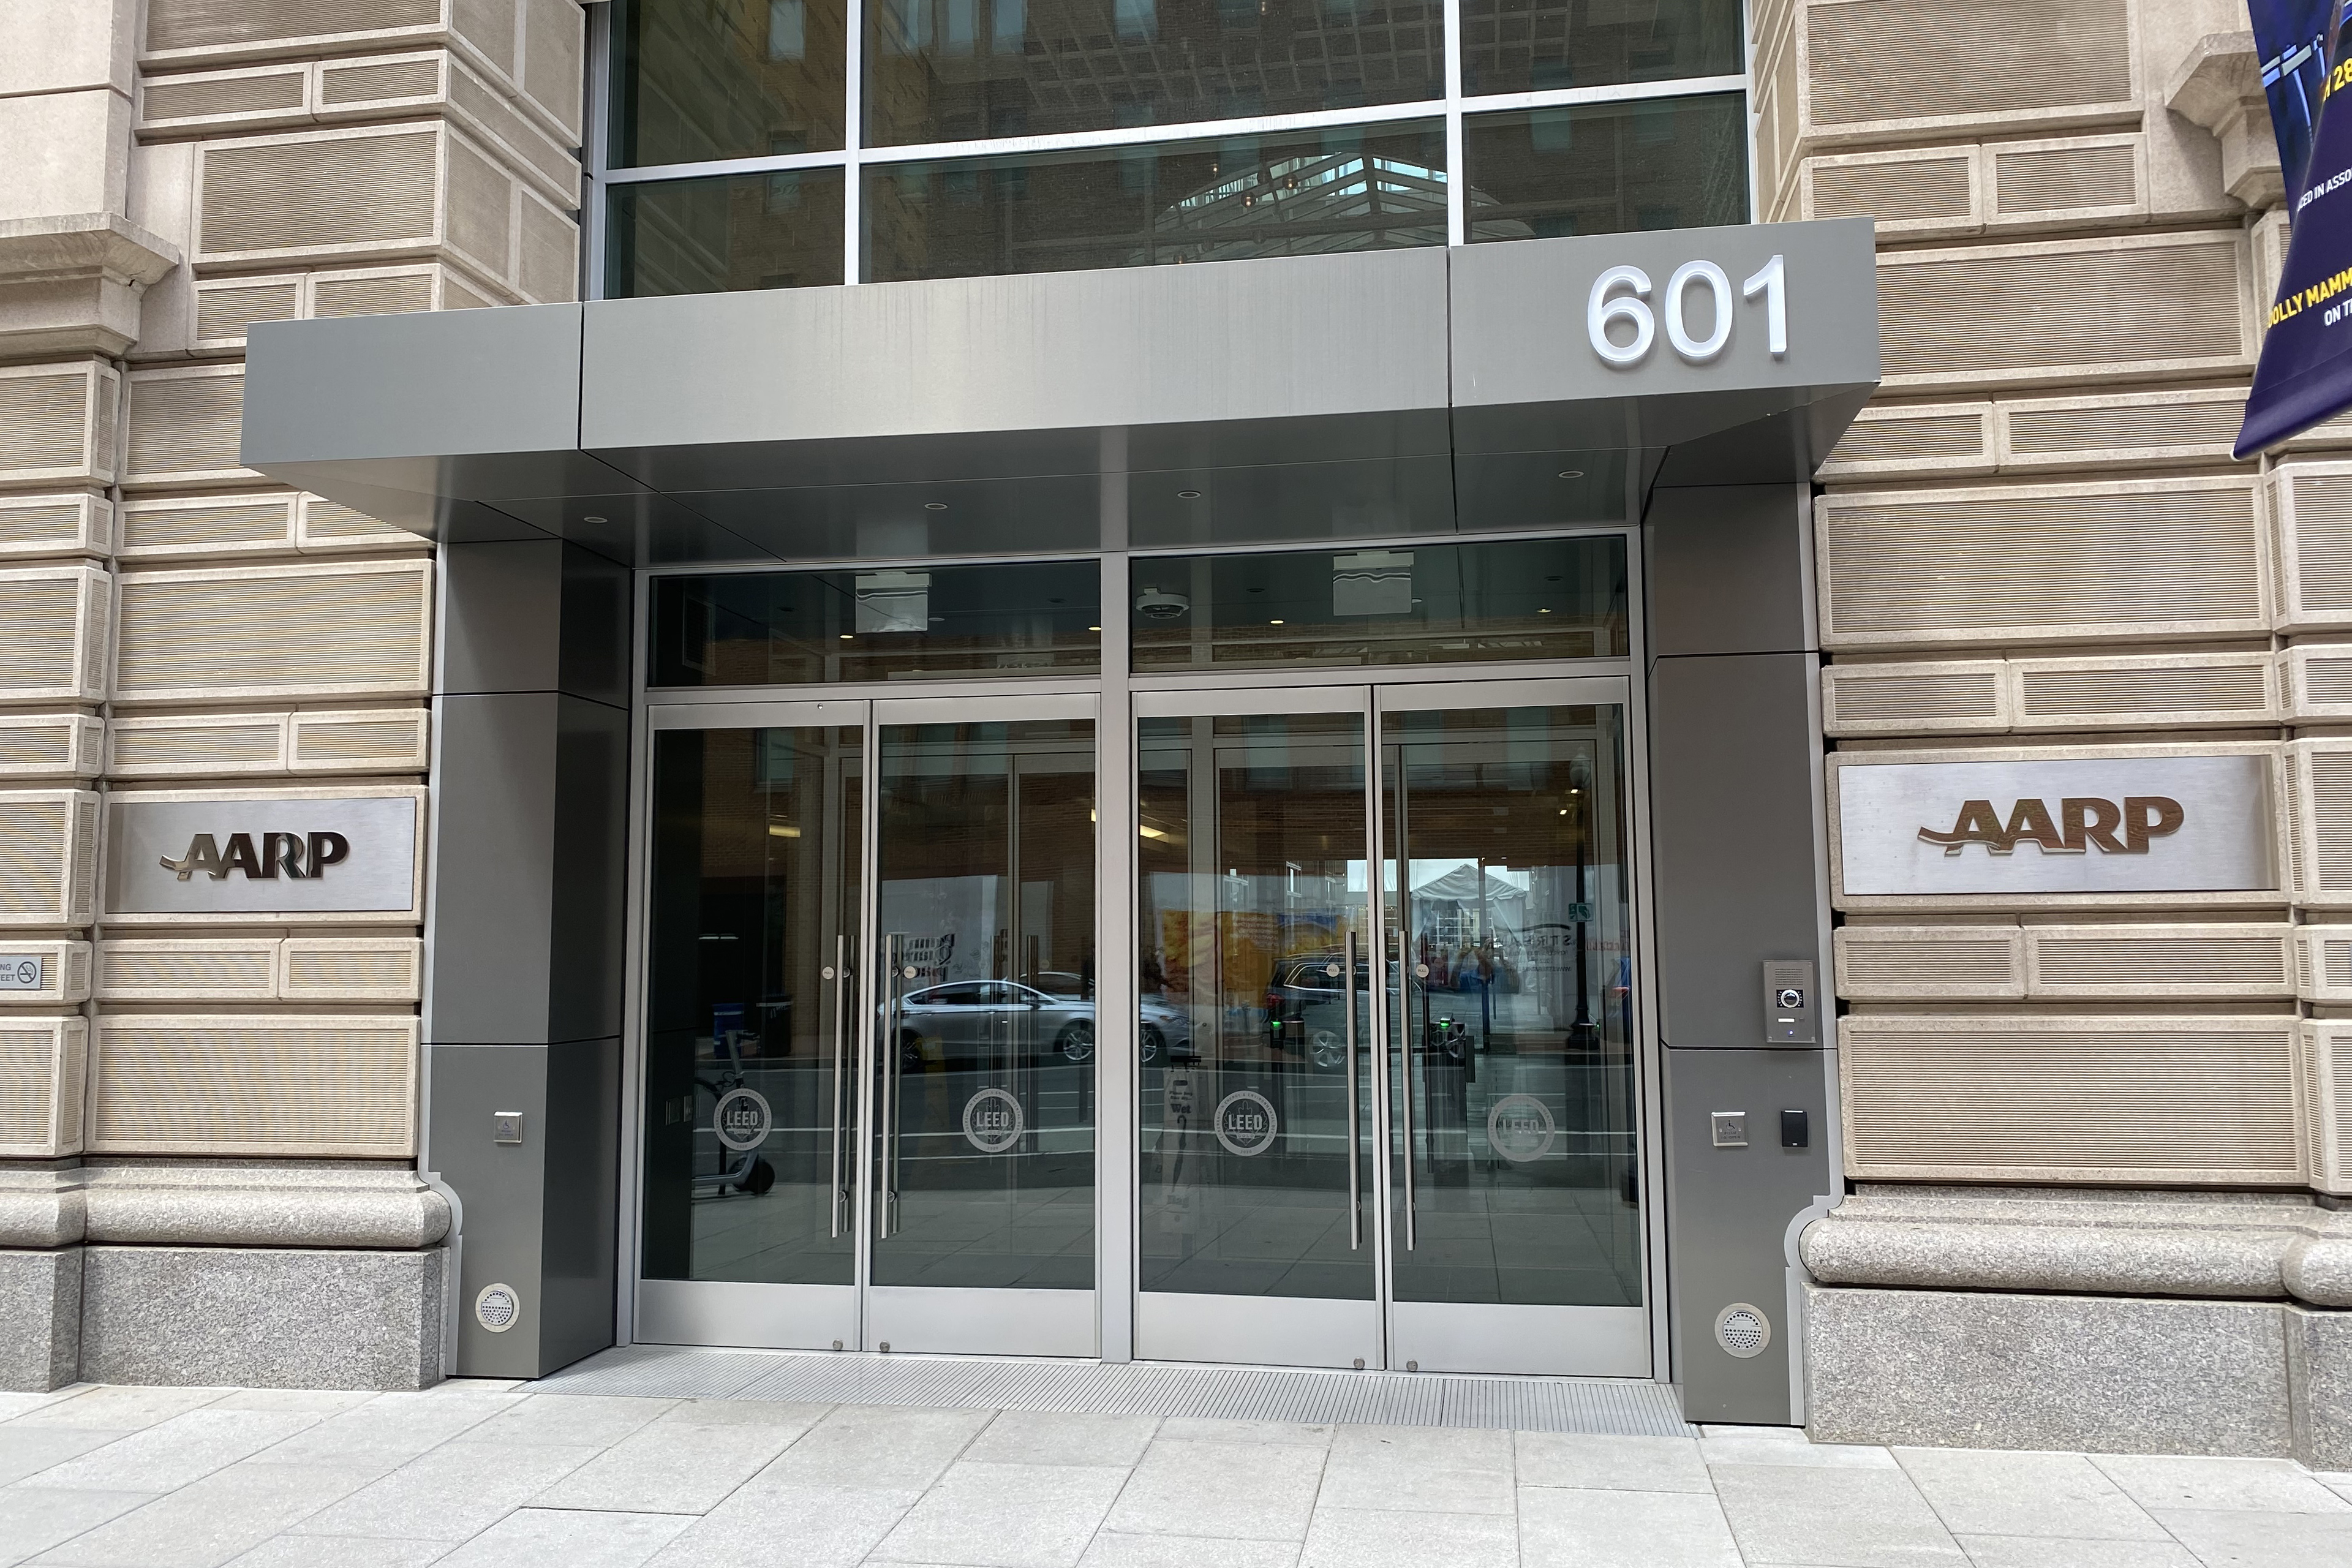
<point>1742,1330</point>
<point>497,1307</point>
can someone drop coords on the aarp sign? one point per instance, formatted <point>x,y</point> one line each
<point>2071,825</point>
<point>193,857</point>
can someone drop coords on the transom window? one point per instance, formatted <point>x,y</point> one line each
<point>749,145</point>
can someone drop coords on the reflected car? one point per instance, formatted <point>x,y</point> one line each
<point>983,1023</point>
<point>1306,1015</point>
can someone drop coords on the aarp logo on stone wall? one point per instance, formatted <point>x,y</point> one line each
<point>2072,825</point>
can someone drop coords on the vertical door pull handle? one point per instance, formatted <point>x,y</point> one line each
<point>840,1036</point>
<point>887,1049</point>
<point>1355,1137</point>
<point>1405,1036</point>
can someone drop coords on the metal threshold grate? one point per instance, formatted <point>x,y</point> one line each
<point>1603,1407</point>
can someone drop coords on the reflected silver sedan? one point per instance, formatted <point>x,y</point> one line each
<point>977,1022</point>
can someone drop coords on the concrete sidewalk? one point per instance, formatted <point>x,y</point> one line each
<point>479,1472</point>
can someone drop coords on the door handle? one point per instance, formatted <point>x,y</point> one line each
<point>1404,1035</point>
<point>840,1038</point>
<point>1355,1138</point>
<point>895,1000</point>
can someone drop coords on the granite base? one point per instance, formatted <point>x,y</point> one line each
<point>40,1319</point>
<point>2102,1375</point>
<point>263,1318</point>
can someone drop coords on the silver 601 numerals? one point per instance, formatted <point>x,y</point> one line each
<point>1621,294</point>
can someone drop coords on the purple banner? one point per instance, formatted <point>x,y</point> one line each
<point>2305,374</point>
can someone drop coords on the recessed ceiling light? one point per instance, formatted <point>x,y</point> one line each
<point>1188,495</point>
<point>1093,628</point>
<point>1571,473</point>
<point>1543,612</point>
<point>935,506</point>
<point>849,636</point>
<point>1274,623</point>
<point>592,517</point>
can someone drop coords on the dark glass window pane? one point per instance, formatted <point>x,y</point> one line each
<point>886,624</point>
<point>1443,604</point>
<point>754,888</point>
<point>1675,162</point>
<point>1530,46</point>
<point>1357,188</point>
<point>958,70</point>
<point>733,231</point>
<point>698,79</point>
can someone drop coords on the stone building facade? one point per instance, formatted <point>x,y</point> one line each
<point>203,1123</point>
<point>2094,1143</point>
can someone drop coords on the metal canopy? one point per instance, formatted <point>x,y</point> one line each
<point>1349,396</point>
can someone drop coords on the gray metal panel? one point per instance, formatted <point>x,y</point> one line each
<point>541,615</point>
<point>589,816</point>
<point>1726,569</point>
<point>503,1191</point>
<point>491,920</point>
<point>579,1233</point>
<point>1045,356</point>
<point>1728,1211</point>
<point>592,659</point>
<point>453,381</point>
<point>1525,374</point>
<point>503,607</point>
<point>1736,858</point>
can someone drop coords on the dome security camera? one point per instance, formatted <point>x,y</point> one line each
<point>1161,605</point>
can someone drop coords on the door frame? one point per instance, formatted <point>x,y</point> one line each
<point>860,1315</point>
<point>1467,1334</point>
<point>1119,691</point>
<point>1328,1332</point>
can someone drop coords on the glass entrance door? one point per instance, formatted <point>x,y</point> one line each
<point>1388,1106</point>
<point>870,1045</point>
<point>982,1205</point>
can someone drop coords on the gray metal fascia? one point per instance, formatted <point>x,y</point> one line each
<point>1526,376</point>
<point>1345,350</point>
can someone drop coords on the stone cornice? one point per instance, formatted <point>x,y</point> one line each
<point>80,244</point>
<point>2263,1246</point>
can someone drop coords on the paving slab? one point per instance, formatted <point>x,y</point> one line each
<point>2253,1538</point>
<point>480,1472</point>
<point>454,1492</point>
<point>1611,1464</point>
<point>2177,1481</point>
<point>1241,1491</point>
<point>1833,1517</point>
<point>806,1526</point>
<point>549,1538</point>
<point>32,1520</point>
<point>178,1452</point>
<point>1006,1516</point>
<point>1362,1538</point>
<point>1565,1528</point>
<point>1977,1491</point>
<point>2055,1552</point>
<point>213,1520</point>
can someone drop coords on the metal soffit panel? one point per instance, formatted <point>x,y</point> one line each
<point>1407,391</point>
